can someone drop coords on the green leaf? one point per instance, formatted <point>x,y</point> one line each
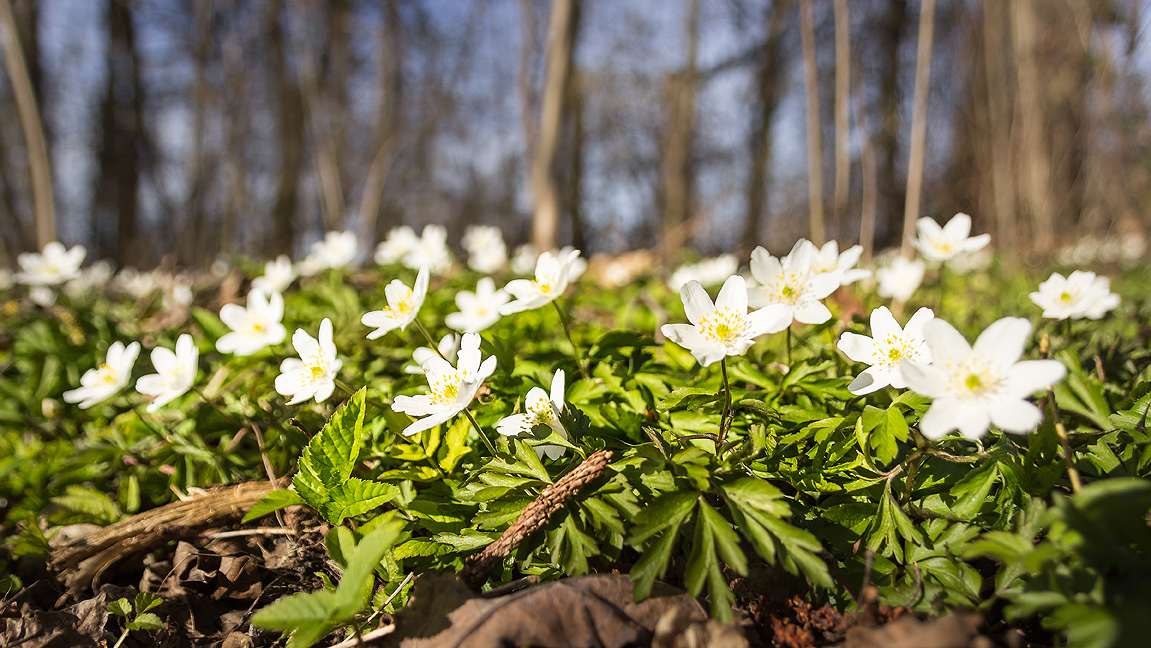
<point>666,511</point>
<point>146,601</point>
<point>324,480</point>
<point>653,563</point>
<point>146,621</point>
<point>92,504</point>
<point>688,398</point>
<point>272,502</point>
<point>356,497</point>
<point>757,494</point>
<point>726,539</point>
<point>120,607</point>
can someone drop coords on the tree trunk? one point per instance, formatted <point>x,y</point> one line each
<point>918,123</point>
<point>545,186</point>
<point>387,127</point>
<point>290,125</point>
<point>814,147</point>
<point>119,154</point>
<point>32,125</point>
<point>525,86</point>
<point>887,138</point>
<point>768,83</point>
<point>1035,165</point>
<point>999,92</point>
<point>842,116</point>
<point>676,159</point>
<point>870,198</point>
<point>575,175</point>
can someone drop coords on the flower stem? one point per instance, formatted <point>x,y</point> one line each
<point>724,424</point>
<point>432,343</point>
<point>789,346</point>
<point>567,331</point>
<point>942,283</point>
<point>480,430</point>
<point>1064,443</point>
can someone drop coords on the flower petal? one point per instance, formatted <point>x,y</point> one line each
<point>1015,415</point>
<point>696,302</point>
<point>1003,341</point>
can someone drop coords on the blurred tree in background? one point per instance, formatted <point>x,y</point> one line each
<point>185,129</point>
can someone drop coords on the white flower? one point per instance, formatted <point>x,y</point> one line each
<point>791,283</point>
<point>401,240</point>
<point>974,388</point>
<point>487,252</point>
<point>707,272</point>
<point>886,350</point>
<point>430,251</point>
<point>52,267</point>
<point>337,250</point>
<point>175,373</point>
<point>524,260</point>
<point>314,375</point>
<point>403,305</point>
<point>102,382</point>
<point>552,276</point>
<point>254,327</point>
<point>42,296</point>
<point>1080,295</point>
<point>724,328</point>
<point>452,388</point>
<point>579,264</point>
<point>478,310</point>
<point>278,275</point>
<point>900,279</point>
<point>448,347</point>
<point>136,284</point>
<point>539,409</point>
<point>937,243</point>
<point>179,293</point>
<point>828,260</point>
<point>95,276</point>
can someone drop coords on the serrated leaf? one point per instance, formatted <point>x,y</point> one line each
<point>666,511</point>
<point>272,502</point>
<point>90,503</point>
<point>726,539</point>
<point>688,398</point>
<point>145,621</point>
<point>758,494</point>
<point>330,456</point>
<point>356,497</point>
<point>121,608</point>
<point>653,563</point>
<point>146,601</point>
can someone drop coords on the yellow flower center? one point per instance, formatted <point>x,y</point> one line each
<point>975,377</point>
<point>894,354</point>
<point>105,374</point>
<point>255,324</point>
<point>447,387</point>
<point>722,325</point>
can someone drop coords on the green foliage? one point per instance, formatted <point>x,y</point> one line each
<point>310,616</point>
<point>325,479</point>
<point>803,479</point>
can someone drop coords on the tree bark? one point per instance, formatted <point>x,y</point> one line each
<point>1035,165</point>
<point>525,86</point>
<point>842,116</point>
<point>814,147</point>
<point>870,199</point>
<point>119,155</point>
<point>545,186</point>
<point>918,123</point>
<point>768,82</point>
<point>33,127</point>
<point>290,126</point>
<point>387,127</point>
<point>676,159</point>
<point>999,92</point>
<point>892,30</point>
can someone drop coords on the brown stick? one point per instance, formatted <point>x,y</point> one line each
<point>533,518</point>
<point>82,562</point>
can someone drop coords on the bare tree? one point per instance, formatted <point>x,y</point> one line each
<point>119,154</point>
<point>545,187</point>
<point>814,147</point>
<point>769,79</point>
<point>676,154</point>
<point>999,92</point>
<point>290,130</point>
<point>842,115</point>
<point>870,197</point>
<point>387,127</point>
<point>918,123</point>
<point>33,127</point>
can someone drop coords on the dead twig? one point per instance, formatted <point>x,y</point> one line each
<point>534,517</point>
